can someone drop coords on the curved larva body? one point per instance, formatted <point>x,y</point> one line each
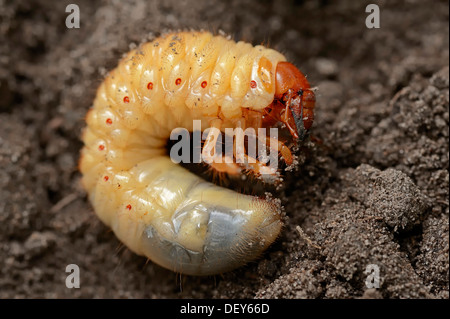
<point>157,208</point>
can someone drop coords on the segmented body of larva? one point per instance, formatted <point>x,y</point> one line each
<point>156,207</point>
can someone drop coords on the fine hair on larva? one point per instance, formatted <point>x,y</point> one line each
<point>158,208</point>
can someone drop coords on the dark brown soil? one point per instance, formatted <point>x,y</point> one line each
<point>375,190</point>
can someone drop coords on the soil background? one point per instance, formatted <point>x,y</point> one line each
<point>373,188</point>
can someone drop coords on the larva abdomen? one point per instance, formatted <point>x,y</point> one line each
<point>157,208</point>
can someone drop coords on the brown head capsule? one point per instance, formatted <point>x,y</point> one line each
<point>294,100</point>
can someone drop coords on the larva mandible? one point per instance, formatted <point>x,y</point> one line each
<point>158,208</point>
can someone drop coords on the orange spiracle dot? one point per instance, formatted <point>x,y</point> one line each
<point>150,86</point>
<point>178,81</point>
<point>108,121</point>
<point>129,207</point>
<point>204,84</point>
<point>126,99</point>
<point>106,178</point>
<point>101,147</point>
<point>252,84</point>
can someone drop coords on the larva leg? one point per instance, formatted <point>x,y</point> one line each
<point>255,120</point>
<point>222,164</point>
<point>238,143</point>
<point>260,169</point>
<point>281,148</point>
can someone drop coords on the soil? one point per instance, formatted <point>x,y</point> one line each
<point>373,190</point>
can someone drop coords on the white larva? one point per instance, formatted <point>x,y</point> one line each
<point>155,207</point>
